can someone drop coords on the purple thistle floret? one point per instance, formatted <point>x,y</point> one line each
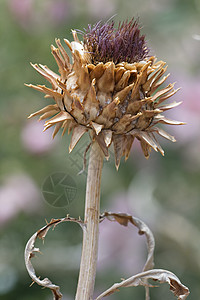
<point>124,44</point>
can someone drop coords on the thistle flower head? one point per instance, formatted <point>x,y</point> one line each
<point>106,43</point>
<point>113,90</point>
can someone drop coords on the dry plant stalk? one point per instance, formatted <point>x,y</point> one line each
<point>91,234</point>
<point>114,91</point>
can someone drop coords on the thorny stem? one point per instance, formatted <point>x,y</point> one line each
<point>87,272</point>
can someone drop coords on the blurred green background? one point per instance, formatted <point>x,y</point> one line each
<point>163,192</point>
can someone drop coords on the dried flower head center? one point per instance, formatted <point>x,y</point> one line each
<point>122,104</point>
<point>106,43</point>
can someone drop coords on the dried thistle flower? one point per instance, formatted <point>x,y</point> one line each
<point>113,90</point>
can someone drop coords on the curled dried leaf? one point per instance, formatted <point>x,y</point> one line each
<point>179,290</point>
<point>30,251</point>
<point>163,276</point>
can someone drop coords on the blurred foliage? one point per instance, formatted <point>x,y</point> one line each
<point>167,191</point>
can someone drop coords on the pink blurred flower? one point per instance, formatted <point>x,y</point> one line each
<point>103,8</point>
<point>59,10</point>
<point>120,247</point>
<point>18,194</point>
<point>22,9</point>
<point>34,139</point>
<point>34,14</point>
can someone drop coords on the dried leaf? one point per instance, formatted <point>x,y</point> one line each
<point>106,81</point>
<point>122,94</point>
<point>170,105</point>
<point>64,54</point>
<point>162,92</point>
<point>118,142</point>
<point>128,145</point>
<point>107,137</point>
<point>163,133</point>
<point>97,72</point>
<point>78,132</point>
<point>179,290</point>
<point>97,127</point>
<point>51,78</point>
<point>123,82</point>
<point>60,117</point>
<point>100,140</point>
<point>46,109</point>
<point>168,95</point>
<point>161,119</point>
<point>147,273</point>
<point>30,250</point>
<point>60,62</point>
<point>57,128</point>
